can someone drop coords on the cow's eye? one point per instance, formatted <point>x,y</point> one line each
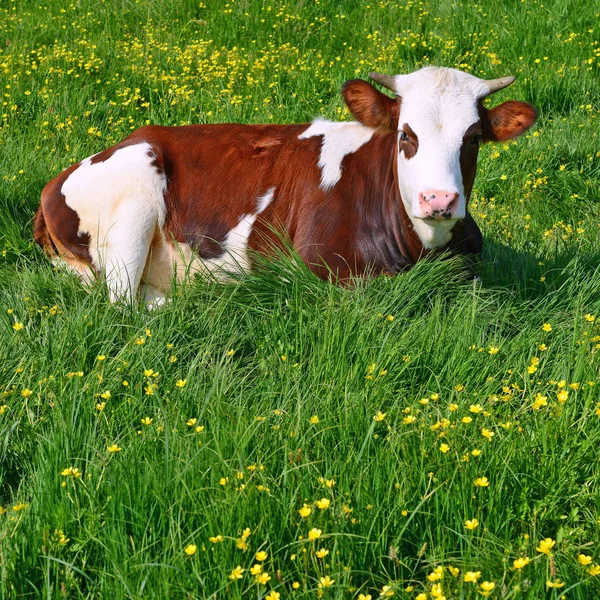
<point>403,136</point>
<point>476,139</point>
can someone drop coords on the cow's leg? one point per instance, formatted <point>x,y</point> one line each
<point>153,297</point>
<point>126,249</point>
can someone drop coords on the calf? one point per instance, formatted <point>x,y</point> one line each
<point>363,197</point>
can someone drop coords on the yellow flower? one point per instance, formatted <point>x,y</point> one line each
<point>223,480</point>
<point>100,406</point>
<point>546,545</point>
<point>472,576</point>
<point>487,586</point>
<point>454,571</point>
<point>481,482</point>
<point>436,574</point>
<point>542,347</point>
<point>444,448</point>
<point>191,422</point>
<point>365,597</point>
<point>273,595</point>
<point>556,584</point>
<point>114,448</point>
<point>105,395</point>
<point>322,553</point>
<point>475,408</point>
<point>148,372</point>
<point>380,416</point>
<point>519,563</point>
<point>539,401</point>
<point>19,506</point>
<point>594,570</point>
<point>26,393</point>
<point>261,555</point>
<point>487,434</point>
<point>18,326</point>
<point>562,396</point>
<point>314,534</point>
<point>101,357</point>
<point>466,420</point>
<point>476,452</point>
<point>216,539</point>
<point>236,573</point>
<point>546,327</point>
<point>323,503</point>
<point>305,510</point>
<point>421,597</point>
<point>147,421</point>
<point>190,549</point>
<point>493,350</point>
<point>409,419</point>
<point>296,585</point>
<point>181,383</point>
<point>314,420</point>
<point>256,569</point>
<point>263,578</point>
<point>584,559</point>
<point>326,581</point>
<point>230,353</point>
<point>471,523</point>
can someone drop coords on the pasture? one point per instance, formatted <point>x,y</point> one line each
<point>416,437</point>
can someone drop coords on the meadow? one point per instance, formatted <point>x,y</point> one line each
<point>418,437</point>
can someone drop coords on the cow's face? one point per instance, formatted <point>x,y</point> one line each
<point>440,123</point>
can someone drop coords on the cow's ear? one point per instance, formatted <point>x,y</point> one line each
<point>369,106</point>
<point>507,121</point>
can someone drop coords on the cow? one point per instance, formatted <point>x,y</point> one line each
<point>369,196</point>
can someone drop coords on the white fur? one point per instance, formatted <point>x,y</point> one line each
<point>439,105</point>
<point>339,139</point>
<point>262,202</point>
<point>119,203</point>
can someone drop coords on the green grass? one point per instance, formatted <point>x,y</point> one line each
<point>77,78</point>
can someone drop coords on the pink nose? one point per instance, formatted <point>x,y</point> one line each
<point>438,204</point>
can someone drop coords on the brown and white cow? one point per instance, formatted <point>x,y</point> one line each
<point>369,196</point>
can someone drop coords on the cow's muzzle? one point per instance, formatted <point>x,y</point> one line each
<point>438,204</point>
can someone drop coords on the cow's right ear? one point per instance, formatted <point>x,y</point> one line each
<point>369,106</point>
<point>507,121</point>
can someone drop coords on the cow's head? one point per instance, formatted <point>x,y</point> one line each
<point>440,122</point>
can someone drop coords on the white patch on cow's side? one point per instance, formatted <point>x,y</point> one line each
<point>439,105</point>
<point>339,139</point>
<point>170,260</point>
<point>120,203</point>
<point>263,201</point>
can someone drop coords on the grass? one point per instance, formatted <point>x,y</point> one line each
<point>236,405</point>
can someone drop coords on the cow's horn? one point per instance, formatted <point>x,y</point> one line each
<point>496,85</point>
<point>387,81</point>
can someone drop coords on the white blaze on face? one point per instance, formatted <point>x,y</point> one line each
<point>439,105</point>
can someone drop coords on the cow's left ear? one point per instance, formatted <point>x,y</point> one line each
<point>507,121</point>
<point>369,106</point>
